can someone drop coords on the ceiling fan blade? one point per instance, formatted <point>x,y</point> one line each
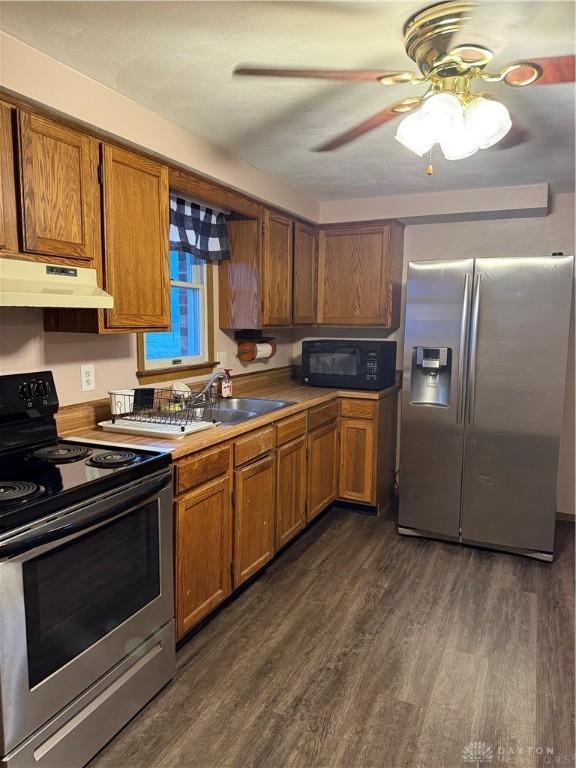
<point>391,112</point>
<point>353,75</point>
<point>555,69</point>
<point>492,25</point>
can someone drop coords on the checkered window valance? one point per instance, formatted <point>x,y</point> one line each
<point>198,230</point>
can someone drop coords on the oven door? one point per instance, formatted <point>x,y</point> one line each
<point>78,592</point>
<point>330,364</point>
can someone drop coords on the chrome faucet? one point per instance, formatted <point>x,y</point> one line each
<point>211,383</point>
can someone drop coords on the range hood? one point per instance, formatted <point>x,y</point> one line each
<point>35,284</point>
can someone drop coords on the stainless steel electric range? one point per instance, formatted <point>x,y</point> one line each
<point>86,583</point>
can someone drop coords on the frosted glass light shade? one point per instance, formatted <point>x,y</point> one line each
<point>457,143</point>
<point>411,135</point>
<point>486,121</point>
<point>438,114</point>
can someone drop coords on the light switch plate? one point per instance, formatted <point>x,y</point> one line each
<point>222,359</point>
<point>88,377</point>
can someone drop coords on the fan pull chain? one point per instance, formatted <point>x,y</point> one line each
<point>430,167</point>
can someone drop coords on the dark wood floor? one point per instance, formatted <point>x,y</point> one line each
<point>360,648</point>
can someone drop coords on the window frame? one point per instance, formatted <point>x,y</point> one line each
<point>149,375</point>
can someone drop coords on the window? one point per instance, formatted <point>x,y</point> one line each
<point>188,342</point>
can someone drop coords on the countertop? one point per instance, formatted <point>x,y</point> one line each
<point>302,398</point>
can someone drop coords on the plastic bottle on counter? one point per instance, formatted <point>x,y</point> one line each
<point>227,384</point>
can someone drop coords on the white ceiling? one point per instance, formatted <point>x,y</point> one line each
<point>177,58</point>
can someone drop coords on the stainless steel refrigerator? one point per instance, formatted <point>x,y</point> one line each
<point>485,351</point>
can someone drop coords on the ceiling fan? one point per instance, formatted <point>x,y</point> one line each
<point>452,44</point>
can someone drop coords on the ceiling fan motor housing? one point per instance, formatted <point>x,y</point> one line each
<point>428,37</point>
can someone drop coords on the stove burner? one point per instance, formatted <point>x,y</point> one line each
<point>112,459</point>
<point>15,493</point>
<point>62,454</point>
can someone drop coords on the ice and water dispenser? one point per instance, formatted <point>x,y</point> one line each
<point>430,376</point>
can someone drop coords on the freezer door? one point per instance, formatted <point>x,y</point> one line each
<point>437,309</point>
<point>517,369</point>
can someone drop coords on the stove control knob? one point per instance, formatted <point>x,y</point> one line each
<point>40,389</point>
<point>24,392</point>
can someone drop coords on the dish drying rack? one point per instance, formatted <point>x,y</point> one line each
<point>171,413</point>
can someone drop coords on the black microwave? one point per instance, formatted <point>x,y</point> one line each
<point>349,364</point>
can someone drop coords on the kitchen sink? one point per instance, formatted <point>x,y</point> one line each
<point>235,410</point>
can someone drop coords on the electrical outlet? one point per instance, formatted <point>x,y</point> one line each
<point>222,359</point>
<point>88,377</point>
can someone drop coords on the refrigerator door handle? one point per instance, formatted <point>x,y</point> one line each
<point>463,354</point>
<point>473,349</point>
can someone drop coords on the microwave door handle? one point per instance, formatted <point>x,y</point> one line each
<point>76,522</point>
<point>463,352</point>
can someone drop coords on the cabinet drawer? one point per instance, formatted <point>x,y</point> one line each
<point>201,467</point>
<point>289,429</point>
<point>358,409</point>
<point>254,444</point>
<point>322,414</point>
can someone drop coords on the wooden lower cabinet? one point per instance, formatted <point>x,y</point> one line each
<point>357,459</point>
<point>368,450</point>
<point>322,468</point>
<point>203,552</point>
<point>284,477</point>
<point>291,490</point>
<point>254,511</point>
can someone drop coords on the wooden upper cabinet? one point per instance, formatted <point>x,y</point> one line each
<point>359,274</point>
<point>277,246</point>
<point>8,221</point>
<point>255,285</point>
<point>135,208</point>
<point>59,187</point>
<point>305,267</point>
<point>239,280</point>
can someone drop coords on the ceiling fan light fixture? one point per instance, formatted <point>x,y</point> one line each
<point>458,143</point>
<point>439,114</point>
<point>412,135</point>
<point>487,121</point>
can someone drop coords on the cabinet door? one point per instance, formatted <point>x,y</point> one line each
<point>135,193</point>
<point>357,460</point>
<point>290,490</point>
<point>276,269</point>
<point>58,171</point>
<point>354,274</point>
<point>254,494</point>
<point>8,222</point>
<point>203,552</point>
<point>239,278</point>
<point>322,468</point>
<point>305,264</point>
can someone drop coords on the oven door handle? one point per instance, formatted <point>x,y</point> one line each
<point>114,505</point>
